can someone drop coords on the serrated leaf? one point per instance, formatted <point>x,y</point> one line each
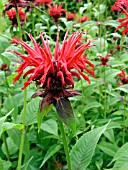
<point>123,88</point>
<point>65,113</point>
<point>82,152</point>
<point>120,157</point>
<point>50,126</point>
<point>51,151</point>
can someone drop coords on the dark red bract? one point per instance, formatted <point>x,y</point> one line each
<point>104,60</point>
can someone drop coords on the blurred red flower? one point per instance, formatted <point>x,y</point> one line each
<point>123,77</point>
<point>54,74</point>
<point>83,19</point>
<point>12,16</point>
<point>45,2</point>
<point>56,11</point>
<point>70,16</point>
<point>124,22</point>
<point>115,8</point>
<point>122,3</point>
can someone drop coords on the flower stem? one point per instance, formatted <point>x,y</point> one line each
<point>18,22</point>
<point>105,97</point>
<point>124,116</point>
<point>6,145</point>
<point>23,132</point>
<point>65,144</point>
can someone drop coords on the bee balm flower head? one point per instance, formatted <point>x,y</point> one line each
<point>55,74</point>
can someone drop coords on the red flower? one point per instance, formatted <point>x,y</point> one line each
<point>124,22</point>
<point>104,60</point>
<point>122,3</point>
<point>123,78</point>
<point>70,16</point>
<point>83,19</point>
<point>115,8</point>
<point>12,15</point>
<point>54,74</point>
<point>42,1</point>
<point>56,12</point>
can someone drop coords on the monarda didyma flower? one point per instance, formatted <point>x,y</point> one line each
<point>56,11</point>
<point>55,74</point>
<point>12,16</point>
<point>123,78</point>
<point>124,22</point>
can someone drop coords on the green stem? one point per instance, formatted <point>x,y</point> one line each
<point>6,82</point>
<point>125,106</point>
<point>105,98</point>
<point>23,132</point>
<point>65,144</point>
<point>18,21</point>
<point>6,146</point>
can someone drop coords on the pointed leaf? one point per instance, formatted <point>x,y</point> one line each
<point>50,126</point>
<point>123,88</point>
<point>51,151</point>
<point>40,115</point>
<point>65,113</point>
<point>81,154</point>
<point>120,157</point>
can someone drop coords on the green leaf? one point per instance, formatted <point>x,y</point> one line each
<point>9,125</point>
<point>26,165</point>
<point>121,158</point>
<point>51,151</point>
<point>110,135</point>
<point>40,115</point>
<point>50,126</point>
<point>2,119</point>
<point>108,148</point>
<point>82,152</point>
<point>123,88</point>
<point>9,104</point>
<point>15,135</point>
<point>12,148</point>
<point>111,23</point>
<point>31,111</point>
<point>65,113</point>
<point>91,105</point>
<point>5,60</point>
<point>5,165</point>
<point>4,43</point>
